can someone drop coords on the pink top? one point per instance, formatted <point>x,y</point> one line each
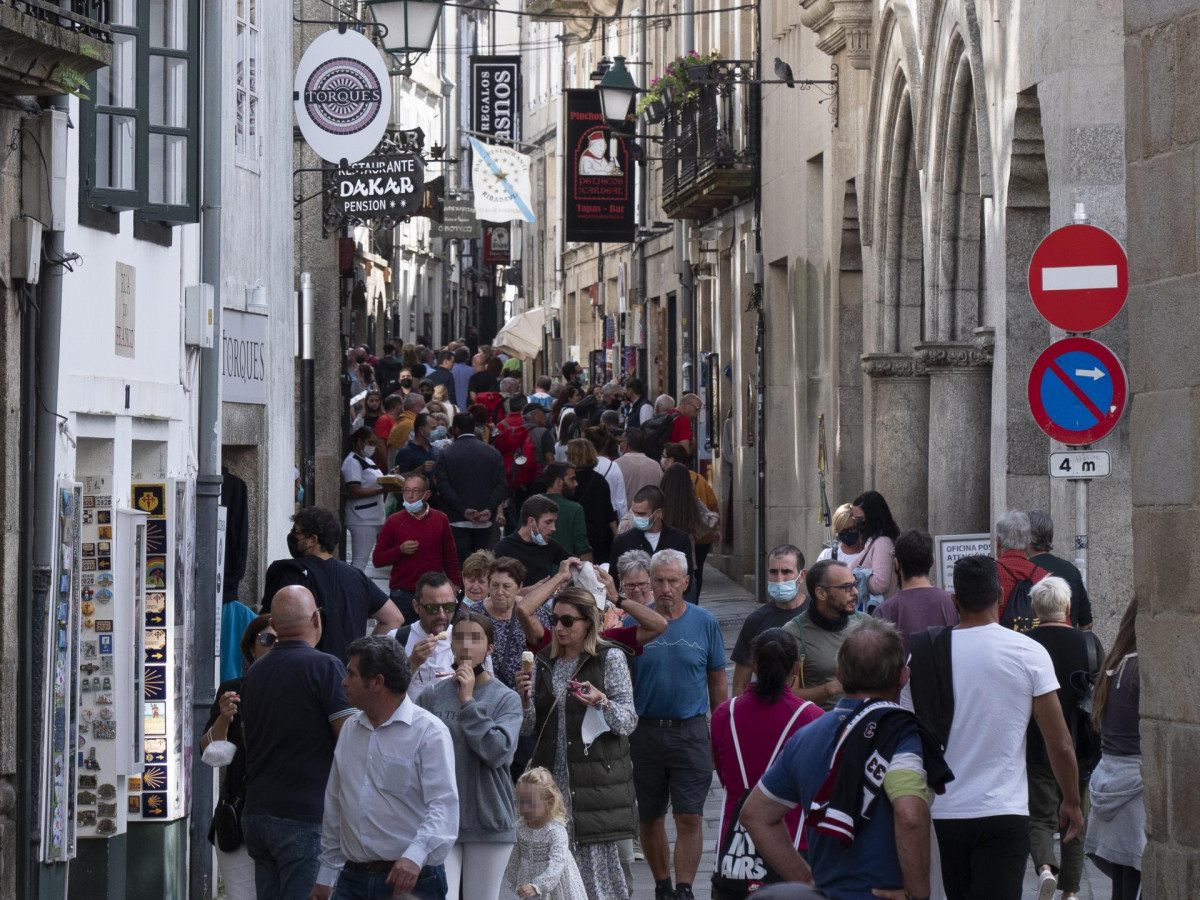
<point>759,725</point>
<point>878,557</point>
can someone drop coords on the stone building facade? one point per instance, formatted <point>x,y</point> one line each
<point>1161,143</point>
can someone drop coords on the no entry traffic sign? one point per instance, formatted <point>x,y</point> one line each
<point>1077,391</point>
<point>1079,277</point>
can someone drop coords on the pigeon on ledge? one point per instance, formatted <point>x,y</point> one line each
<point>784,72</point>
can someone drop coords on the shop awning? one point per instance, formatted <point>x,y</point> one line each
<point>522,334</point>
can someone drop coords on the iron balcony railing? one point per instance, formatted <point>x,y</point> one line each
<point>89,17</point>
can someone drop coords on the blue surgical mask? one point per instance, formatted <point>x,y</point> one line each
<point>641,523</point>
<point>300,494</point>
<point>782,591</point>
<point>537,537</point>
<point>438,433</point>
<point>414,507</point>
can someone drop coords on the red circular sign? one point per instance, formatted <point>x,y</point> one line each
<point>1079,278</point>
<point>1077,391</point>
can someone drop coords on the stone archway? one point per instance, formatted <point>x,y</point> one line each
<point>957,353</point>
<point>898,404</point>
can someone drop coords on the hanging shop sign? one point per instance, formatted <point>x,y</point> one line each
<point>496,95</point>
<point>386,187</point>
<point>458,218</point>
<point>343,96</point>
<point>599,202</point>
<point>497,245</point>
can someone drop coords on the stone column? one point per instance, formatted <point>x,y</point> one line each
<point>898,419</point>
<point>960,386</point>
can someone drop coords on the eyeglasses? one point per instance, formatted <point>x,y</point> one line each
<point>431,609</point>
<point>630,586</point>
<point>847,587</point>
<point>413,492</point>
<point>266,639</point>
<point>858,520</point>
<point>568,621</point>
<point>299,534</point>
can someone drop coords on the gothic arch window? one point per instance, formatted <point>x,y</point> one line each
<point>901,250</point>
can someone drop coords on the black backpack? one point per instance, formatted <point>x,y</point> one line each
<point>1083,731</point>
<point>656,434</point>
<point>1018,612</point>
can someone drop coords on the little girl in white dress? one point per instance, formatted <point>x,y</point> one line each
<point>541,864</point>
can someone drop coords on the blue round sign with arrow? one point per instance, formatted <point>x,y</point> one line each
<point>1077,390</point>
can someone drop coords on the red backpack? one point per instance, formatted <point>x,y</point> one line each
<point>512,436</point>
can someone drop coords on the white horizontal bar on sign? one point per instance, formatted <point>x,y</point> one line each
<point>1078,278</point>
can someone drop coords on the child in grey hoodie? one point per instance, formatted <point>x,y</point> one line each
<point>484,718</point>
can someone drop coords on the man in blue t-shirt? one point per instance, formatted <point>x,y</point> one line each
<point>678,680</point>
<point>293,706</point>
<point>879,769</point>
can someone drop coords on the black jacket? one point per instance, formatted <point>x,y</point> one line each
<point>470,475</point>
<point>670,539</point>
<point>443,376</point>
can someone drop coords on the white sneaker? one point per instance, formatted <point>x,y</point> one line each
<point>637,850</point>
<point>1047,885</point>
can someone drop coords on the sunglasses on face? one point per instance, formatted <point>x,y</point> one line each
<point>567,621</point>
<point>266,639</point>
<point>431,609</point>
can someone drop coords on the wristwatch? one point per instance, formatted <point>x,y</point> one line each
<point>619,603</point>
<point>908,896</point>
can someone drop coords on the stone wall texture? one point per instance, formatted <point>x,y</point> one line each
<point>1162,148</point>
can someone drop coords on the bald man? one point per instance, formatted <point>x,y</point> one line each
<point>293,707</point>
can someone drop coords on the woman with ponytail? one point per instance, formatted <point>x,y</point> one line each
<point>751,727</point>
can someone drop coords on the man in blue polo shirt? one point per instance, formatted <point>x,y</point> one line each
<point>293,706</point>
<point>848,768</point>
<point>678,680</point>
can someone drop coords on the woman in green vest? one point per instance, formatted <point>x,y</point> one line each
<point>579,703</point>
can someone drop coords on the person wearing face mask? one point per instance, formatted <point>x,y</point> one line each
<point>649,533</point>
<point>414,541</point>
<point>532,544</point>
<point>849,541</point>
<point>820,630</point>
<point>484,718</point>
<point>785,574</point>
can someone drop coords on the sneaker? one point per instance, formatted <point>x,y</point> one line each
<point>664,893</point>
<point>637,850</point>
<point>684,892</point>
<point>1047,885</point>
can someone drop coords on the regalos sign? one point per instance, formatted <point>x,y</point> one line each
<point>343,96</point>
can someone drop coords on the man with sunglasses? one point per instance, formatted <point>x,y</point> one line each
<point>820,630</point>
<point>427,640</point>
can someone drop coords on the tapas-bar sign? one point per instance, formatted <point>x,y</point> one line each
<point>599,195</point>
<point>380,187</point>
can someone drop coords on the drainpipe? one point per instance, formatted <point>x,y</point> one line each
<point>683,238</point>
<point>643,186</point>
<point>208,481</point>
<point>308,439</point>
<point>760,335</point>
<point>40,358</point>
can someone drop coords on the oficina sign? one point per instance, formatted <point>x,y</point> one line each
<point>343,96</point>
<point>380,187</point>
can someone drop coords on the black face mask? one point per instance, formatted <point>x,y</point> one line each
<point>293,543</point>
<point>614,403</point>
<point>428,397</point>
<point>406,383</point>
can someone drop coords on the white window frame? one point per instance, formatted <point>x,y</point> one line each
<point>247,96</point>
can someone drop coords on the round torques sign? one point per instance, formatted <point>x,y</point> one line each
<point>343,96</point>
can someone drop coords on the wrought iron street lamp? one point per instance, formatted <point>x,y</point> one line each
<point>411,28</point>
<point>617,90</point>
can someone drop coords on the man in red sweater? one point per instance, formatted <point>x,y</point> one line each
<point>414,541</point>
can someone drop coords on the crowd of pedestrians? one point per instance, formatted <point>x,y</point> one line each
<point>543,685</point>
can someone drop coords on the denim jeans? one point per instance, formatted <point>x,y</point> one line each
<point>354,884</point>
<point>404,602</point>
<point>286,854</point>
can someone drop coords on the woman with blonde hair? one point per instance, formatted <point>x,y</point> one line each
<point>849,541</point>
<point>581,679</point>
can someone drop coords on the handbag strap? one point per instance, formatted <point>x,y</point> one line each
<point>737,746</point>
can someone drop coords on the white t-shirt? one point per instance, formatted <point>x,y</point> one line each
<point>363,510</point>
<point>652,537</point>
<point>997,673</point>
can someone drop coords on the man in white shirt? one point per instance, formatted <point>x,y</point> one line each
<point>391,805</point>
<point>427,641</point>
<point>999,678</point>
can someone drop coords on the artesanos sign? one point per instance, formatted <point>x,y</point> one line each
<point>496,95</point>
<point>343,96</point>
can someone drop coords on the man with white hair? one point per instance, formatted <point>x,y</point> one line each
<point>678,680</point>
<point>1017,574</point>
<point>1073,652</point>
